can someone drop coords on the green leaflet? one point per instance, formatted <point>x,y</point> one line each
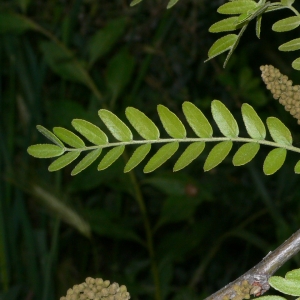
<point>90,131</point>
<point>171,123</point>
<point>49,135</point>
<point>104,39</point>
<point>69,137</point>
<point>287,2</point>
<point>224,119</point>
<point>197,120</point>
<point>221,45</point>
<point>45,150</point>
<point>110,157</point>
<point>135,2</point>
<point>286,286</point>
<point>117,127</point>
<point>228,24</point>
<point>171,3</point>
<point>271,298</point>
<point>291,45</point>
<point>142,124</point>
<point>296,64</point>
<point>294,275</point>
<point>286,24</point>
<point>217,154</point>
<point>189,154</point>
<point>63,161</point>
<point>279,132</point>
<point>138,155</point>
<point>161,156</point>
<point>254,125</point>
<point>274,161</point>
<point>236,7</point>
<point>258,26</point>
<point>297,168</point>
<point>86,161</point>
<point>245,154</point>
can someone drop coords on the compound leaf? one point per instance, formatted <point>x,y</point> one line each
<point>45,150</point>
<point>90,131</point>
<point>279,132</point>
<point>49,135</point>
<point>228,24</point>
<point>86,161</point>
<point>274,161</point>
<point>171,123</point>
<point>245,154</point>
<point>142,124</point>
<point>286,24</point>
<point>254,125</point>
<point>189,154</point>
<point>217,154</point>
<point>222,44</point>
<point>224,119</point>
<point>161,156</point>
<point>286,286</point>
<point>110,157</point>
<point>291,45</point>
<point>137,157</point>
<point>63,161</point>
<point>237,7</point>
<point>69,137</point>
<point>117,127</point>
<point>197,120</point>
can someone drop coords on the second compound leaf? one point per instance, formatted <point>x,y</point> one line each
<point>171,123</point>
<point>142,124</point>
<point>189,154</point>
<point>69,137</point>
<point>137,157</point>
<point>86,161</point>
<point>274,161</point>
<point>63,161</point>
<point>245,154</point>
<point>279,132</point>
<point>224,119</point>
<point>110,157</point>
<point>161,156</point>
<point>217,154</point>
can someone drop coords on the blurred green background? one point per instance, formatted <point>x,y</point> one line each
<point>164,235</point>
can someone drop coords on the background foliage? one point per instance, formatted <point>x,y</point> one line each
<point>67,59</point>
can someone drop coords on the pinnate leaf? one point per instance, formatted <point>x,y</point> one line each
<point>142,124</point>
<point>274,161</point>
<point>217,154</point>
<point>86,161</point>
<point>279,132</point>
<point>228,24</point>
<point>45,150</point>
<point>254,125</point>
<point>189,154</point>
<point>171,123</point>
<point>237,7</point>
<point>286,24</point>
<point>222,44</point>
<point>69,137</point>
<point>245,154</point>
<point>90,131</point>
<point>117,127</point>
<point>63,161</point>
<point>197,120</point>
<point>291,45</point>
<point>224,119</point>
<point>49,135</point>
<point>110,157</point>
<point>286,286</point>
<point>161,156</point>
<point>137,157</point>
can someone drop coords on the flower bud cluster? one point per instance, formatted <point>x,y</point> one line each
<point>97,289</point>
<point>282,89</point>
<point>241,291</point>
